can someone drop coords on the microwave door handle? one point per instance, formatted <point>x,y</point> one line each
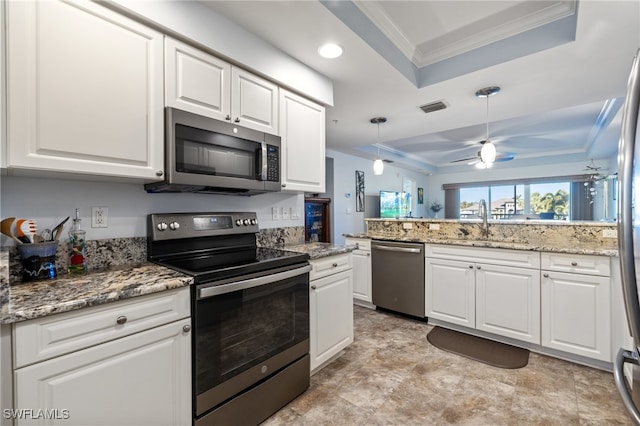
<point>263,162</point>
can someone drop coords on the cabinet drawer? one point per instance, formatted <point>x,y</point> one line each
<point>329,265</point>
<point>44,338</point>
<point>577,263</point>
<point>503,257</point>
<point>360,243</point>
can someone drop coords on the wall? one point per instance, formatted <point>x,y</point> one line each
<point>346,219</point>
<point>50,200</point>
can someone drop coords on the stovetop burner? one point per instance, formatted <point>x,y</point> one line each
<point>213,246</point>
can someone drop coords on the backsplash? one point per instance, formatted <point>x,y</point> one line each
<point>124,251</point>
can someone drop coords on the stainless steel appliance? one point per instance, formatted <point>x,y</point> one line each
<point>249,310</point>
<point>629,236</point>
<point>205,155</point>
<point>397,271</point>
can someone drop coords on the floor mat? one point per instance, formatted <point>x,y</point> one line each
<point>483,350</point>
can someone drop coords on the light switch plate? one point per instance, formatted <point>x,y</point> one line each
<point>286,213</point>
<point>609,233</point>
<point>276,213</point>
<point>407,225</point>
<point>434,226</point>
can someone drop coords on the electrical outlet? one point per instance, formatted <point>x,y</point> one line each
<point>276,213</point>
<point>434,226</point>
<point>99,217</point>
<point>407,225</point>
<point>609,233</point>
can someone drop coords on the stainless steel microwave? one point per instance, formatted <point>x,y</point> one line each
<point>205,155</point>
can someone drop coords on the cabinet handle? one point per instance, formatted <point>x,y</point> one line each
<point>284,185</point>
<point>159,173</point>
<point>237,120</point>
<point>574,263</point>
<point>478,267</point>
<point>470,266</point>
<point>121,320</point>
<point>313,287</point>
<point>545,275</point>
<point>368,254</point>
<point>334,265</point>
<point>228,117</point>
<point>186,328</point>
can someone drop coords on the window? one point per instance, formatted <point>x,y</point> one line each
<point>559,199</point>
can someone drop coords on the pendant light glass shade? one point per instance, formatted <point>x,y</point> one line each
<point>488,152</point>
<point>378,167</point>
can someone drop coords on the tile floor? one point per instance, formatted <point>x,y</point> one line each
<point>391,375</point>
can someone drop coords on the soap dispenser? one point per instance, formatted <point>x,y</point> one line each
<point>77,258</point>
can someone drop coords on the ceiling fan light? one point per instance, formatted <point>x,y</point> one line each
<point>378,167</point>
<point>488,152</point>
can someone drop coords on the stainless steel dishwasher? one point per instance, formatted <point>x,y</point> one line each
<point>397,280</point>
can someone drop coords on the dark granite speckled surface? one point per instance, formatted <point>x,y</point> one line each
<point>318,250</point>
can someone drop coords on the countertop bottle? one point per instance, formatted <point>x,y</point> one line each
<point>77,257</point>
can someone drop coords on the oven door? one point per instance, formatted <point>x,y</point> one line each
<point>247,329</point>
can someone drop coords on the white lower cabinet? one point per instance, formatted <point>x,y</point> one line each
<point>142,378</point>
<point>576,307</point>
<point>331,308</point>
<point>491,297</point>
<point>361,268</point>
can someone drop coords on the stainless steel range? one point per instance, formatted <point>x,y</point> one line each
<point>249,310</point>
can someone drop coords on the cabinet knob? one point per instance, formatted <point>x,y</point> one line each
<point>159,173</point>
<point>313,287</point>
<point>237,120</point>
<point>470,266</point>
<point>368,254</point>
<point>574,263</point>
<point>334,265</point>
<point>478,267</point>
<point>121,320</point>
<point>545,275</point>
<point>186,328</point>
<point>228,117</point>
<point>284,185</point>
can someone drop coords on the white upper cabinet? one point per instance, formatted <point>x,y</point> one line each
<point>203,84</point>
<point>84,90</point>
<point>302,127</point>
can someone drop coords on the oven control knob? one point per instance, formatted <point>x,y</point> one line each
<point>238,222</point>
<point>246,222</point>
<point>161,226</point>
<point>254,221</point>
<point>174,226</point>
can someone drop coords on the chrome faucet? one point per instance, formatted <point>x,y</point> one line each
<point>482,207</point>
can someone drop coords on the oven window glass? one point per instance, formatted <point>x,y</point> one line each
<point>239,330</point>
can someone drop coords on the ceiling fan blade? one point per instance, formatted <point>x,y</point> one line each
<point>464,159</point>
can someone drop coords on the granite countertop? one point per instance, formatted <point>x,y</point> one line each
<point>586,248</point>
<point>36,299</point>
<point>318,250</point>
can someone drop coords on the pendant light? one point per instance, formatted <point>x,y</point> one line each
<point>378,165</point>
<point>488,151</point>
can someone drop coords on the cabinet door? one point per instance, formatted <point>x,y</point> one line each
<point>576,314</point>
<point>450,291</point>
<point>254,101</point>
<point>143,379</point>
<point>302,128</point>
<point>84,89</point>
<point>196,81</point>
<point>362,275</point>
<point>508,301</point>
<point>331,316</point>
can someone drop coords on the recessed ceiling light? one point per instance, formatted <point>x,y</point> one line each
<point>330,50</point>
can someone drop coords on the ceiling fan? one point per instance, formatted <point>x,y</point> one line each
<point>477,159</point>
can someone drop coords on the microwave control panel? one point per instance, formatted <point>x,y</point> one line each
<point>273,163</point>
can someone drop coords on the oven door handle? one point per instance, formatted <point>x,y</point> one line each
<point>207,292</point>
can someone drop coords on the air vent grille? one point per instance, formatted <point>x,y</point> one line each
<point>433,106</point>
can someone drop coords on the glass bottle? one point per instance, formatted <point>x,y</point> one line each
<point>77,257</point>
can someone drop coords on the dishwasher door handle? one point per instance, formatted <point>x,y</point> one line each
<point>400,249</point>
